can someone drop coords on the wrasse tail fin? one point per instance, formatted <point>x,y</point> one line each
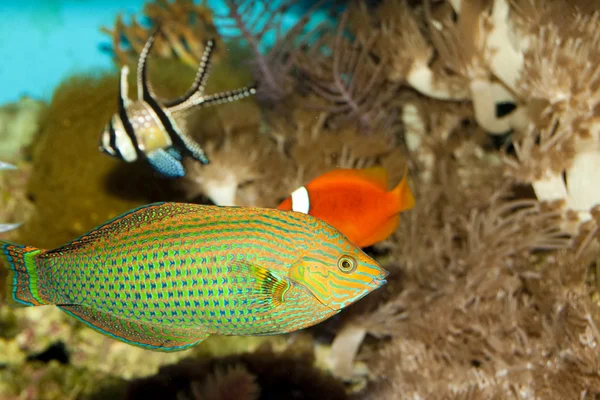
<point>267,287</point>
<point>403,195</point>
<point>22,281</point>
<point>146,335</point>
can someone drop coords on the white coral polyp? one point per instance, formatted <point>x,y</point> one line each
<point>583,178</point>
<point>580,191</point>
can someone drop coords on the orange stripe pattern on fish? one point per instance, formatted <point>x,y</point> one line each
<point>354,201</point>
<point>167,275</point>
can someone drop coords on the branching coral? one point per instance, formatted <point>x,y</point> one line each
<point>541,57</point>
<point>234,382</point>
<point>185,24</point>
<point>276,375</point>
<point>560,150</point>
<point>494,285</point>
<point>344,75</point>
<point>243,171</point>
<point>260,24</point>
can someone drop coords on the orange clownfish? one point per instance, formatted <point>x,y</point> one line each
<point>355,201</point>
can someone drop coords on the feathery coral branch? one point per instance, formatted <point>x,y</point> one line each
<point>258,22</point>
<point>186,26</point>
<point>345,76</point>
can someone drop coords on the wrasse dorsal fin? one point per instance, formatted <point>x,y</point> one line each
<point>135,218</point>
<point>267,287</point>
<point>202,74</point>
<point>144,91</point>
<point>142,334</point>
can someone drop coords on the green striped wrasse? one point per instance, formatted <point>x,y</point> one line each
<point>168,275</point>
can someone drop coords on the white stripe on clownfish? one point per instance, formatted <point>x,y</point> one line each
<point>301,200</point>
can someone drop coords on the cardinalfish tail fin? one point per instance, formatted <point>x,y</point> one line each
<point>403,194</point>
<point>21,263</point>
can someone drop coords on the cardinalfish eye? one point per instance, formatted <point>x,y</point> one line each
<point>347,264</point>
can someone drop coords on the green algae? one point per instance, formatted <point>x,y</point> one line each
<point>53,381</point>
<point>70,182</point>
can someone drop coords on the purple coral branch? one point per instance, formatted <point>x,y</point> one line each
<point>253,42</point>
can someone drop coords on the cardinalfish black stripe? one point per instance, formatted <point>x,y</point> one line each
<point>145,128</point>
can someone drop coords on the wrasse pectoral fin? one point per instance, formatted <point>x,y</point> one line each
<point>142,334</point>
<point>266,286</point>
<point>165,163</point>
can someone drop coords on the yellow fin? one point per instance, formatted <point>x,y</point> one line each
<point>267,286</point>
<point>403,195</point>
<point>377,175</point>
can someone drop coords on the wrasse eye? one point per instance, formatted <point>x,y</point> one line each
<point>347,264</point>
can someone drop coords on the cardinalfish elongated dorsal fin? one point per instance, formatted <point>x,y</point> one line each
<point>147,335</point>
<point>143,84</point>
<point>195,96</point>
<point>266,286</point>
<point>223,97</point>
<point>403,195</point>
<point>161,110</point>
<point>197,88</point>
<point>23,281</point>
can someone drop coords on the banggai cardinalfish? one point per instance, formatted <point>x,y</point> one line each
<point>168,275</point>
<point>146,128</point>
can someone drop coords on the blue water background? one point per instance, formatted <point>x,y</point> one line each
<point>45,41</point>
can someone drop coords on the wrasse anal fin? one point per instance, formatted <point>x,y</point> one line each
<point>146,335</point>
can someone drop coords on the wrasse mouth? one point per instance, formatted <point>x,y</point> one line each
<point>380,280</point>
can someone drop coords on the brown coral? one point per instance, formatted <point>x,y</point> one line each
<point>231,383</point>
<point>185,25</point>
